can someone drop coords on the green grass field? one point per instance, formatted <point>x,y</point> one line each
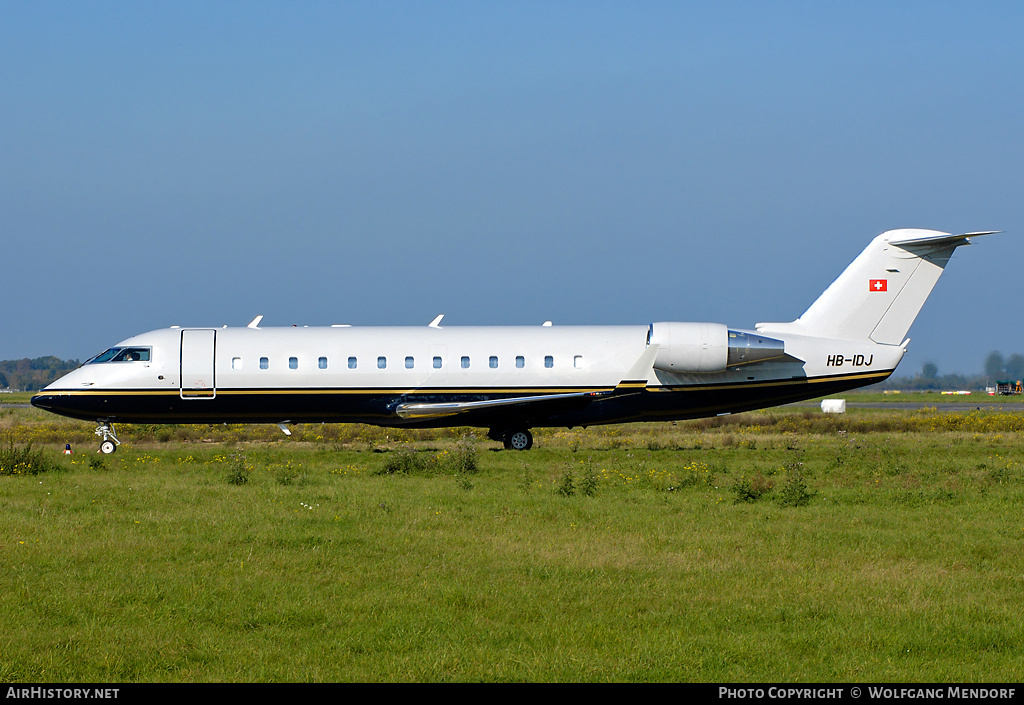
<point>877,546</point>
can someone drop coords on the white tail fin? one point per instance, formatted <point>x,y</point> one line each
<point>880,294</point>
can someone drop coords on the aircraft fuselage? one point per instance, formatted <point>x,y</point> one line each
<point>362,375</point>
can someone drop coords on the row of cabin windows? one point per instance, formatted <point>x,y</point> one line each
<point>410,362</point>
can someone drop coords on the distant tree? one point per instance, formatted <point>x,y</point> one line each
<point>995,365</point>
<point>930,370</point>
<point>32,375</point>
<point>48,363</point>
<point>1015,366</point>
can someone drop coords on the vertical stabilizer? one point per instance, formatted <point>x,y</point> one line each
<point>880,294</point>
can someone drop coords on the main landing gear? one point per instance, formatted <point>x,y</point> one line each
<point>106,432</point>
<point>516,439</point>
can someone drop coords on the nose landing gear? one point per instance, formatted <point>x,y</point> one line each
<point>109,442</point>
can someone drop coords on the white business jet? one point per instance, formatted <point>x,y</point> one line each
<point>511,379</point>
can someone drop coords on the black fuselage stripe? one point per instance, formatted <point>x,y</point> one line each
<point>377,406</point>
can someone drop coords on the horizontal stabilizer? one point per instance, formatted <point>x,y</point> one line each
<point>937,241</point>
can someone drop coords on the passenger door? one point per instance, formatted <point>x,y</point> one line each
<point>197,368</point>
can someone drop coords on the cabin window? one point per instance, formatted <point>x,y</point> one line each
<point>236,363</point>
<point>264,363</point>
<point>465,362</point>
<point>437,362</point>
<point>577,362</point>
<point>549,361</point>
<point>382,362</point>
<point>409,362</point>
<point>520,361</point>
<point>322,363</point>
<point>352,363</point>
<point>293,363</point>
<point>493,362</point>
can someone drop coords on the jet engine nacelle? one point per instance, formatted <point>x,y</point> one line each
<point>701,348</point>
<point>690,347</point>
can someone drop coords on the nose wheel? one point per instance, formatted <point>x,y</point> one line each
<point>109,442</point>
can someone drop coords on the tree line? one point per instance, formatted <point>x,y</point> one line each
<point>998,368</point>
<point>32,375</point>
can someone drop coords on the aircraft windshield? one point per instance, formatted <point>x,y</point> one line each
<point>122,355</point>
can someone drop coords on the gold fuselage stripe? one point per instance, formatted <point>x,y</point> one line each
<point>224,391</point>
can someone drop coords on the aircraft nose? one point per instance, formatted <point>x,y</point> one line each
<point>42,401</point>
<point>64,405</point>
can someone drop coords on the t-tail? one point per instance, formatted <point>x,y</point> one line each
<point>880,294</point>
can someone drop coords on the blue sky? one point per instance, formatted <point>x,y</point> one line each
<point>198,163</point>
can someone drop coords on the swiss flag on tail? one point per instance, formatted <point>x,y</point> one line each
<point>878,284</point>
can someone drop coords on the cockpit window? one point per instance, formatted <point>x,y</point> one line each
<point>122,355</point>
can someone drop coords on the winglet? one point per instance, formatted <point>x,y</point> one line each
<point>642,367</point>
<point>255,323</point>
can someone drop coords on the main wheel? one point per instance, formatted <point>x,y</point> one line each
<point>519,440</point>
<point>107,447</point>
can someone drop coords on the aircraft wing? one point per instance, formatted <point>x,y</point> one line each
<point>537,402</point>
